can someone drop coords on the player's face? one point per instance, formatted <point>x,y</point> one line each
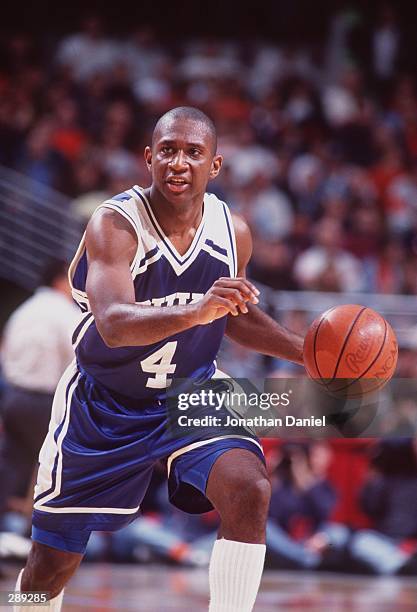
<point>182,160</point>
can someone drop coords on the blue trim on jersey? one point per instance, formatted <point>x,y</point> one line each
<point>231,239</point>
<point>121,197</point>
<point>215,247</point>
<point>148,255</point>
<point>180,260</point>
<point>80,326</point>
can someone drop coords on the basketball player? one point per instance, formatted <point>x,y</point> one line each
<point>160,275</point>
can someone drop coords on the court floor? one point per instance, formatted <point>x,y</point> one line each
<point>156,588</point>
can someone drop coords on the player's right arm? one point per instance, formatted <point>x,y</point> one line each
<point>111,245</point>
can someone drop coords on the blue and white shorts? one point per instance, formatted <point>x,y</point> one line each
<point>97,461</point>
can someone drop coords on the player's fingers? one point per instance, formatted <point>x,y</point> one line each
<point>248,283</point>
<point>248,289</point>
<point>233,294</point>
<point>225,303</point>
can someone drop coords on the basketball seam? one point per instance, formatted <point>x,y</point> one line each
<point>314,345</point>
<point>345,341</point>
<point>370,365</point>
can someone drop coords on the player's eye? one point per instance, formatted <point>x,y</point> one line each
<point>195,152</point>
<point>167,150</point>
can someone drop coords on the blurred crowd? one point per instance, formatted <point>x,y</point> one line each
<point>320,149</point>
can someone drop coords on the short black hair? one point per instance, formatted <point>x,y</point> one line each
<point>52,270</point>
<point>188,112</point>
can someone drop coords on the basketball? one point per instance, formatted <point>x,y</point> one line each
<point>351,350</point>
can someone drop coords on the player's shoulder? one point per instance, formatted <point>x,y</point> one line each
<point>240,225</point>
<point>130,195</point>
<point>109,226</point>
<point>213,199</point>
<point>120,210</point>
<point>220,208</point>
<point>215,208</point>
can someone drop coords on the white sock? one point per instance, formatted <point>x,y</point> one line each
<point>53,605</point>
<point>235,574</point>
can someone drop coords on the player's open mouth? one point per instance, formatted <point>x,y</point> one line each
<point>177,185</point>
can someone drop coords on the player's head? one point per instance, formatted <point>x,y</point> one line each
<point>183,156</point>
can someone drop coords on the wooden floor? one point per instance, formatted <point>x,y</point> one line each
<point>154,588</point>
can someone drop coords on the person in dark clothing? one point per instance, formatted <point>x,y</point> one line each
<point>388,498</point>
<point>299,533</point>
<point>36,348</point>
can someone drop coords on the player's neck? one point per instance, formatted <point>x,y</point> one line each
<point>175,220</point>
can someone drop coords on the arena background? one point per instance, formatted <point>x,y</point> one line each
<point>316,109</point>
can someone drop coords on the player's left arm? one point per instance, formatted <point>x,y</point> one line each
<point>256,330</point>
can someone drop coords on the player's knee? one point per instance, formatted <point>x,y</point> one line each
<point>48,569</point>
<point>260,494</point>
<point>249,497</point>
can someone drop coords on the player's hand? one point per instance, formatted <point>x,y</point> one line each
<point>226,296</point>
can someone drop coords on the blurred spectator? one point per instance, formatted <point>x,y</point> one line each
<point>342,24</point>
<point>142,55</point>
<point>40,161</point>
<point>400,201</point>
<point>88,187</point>
<point>386,272</point>
<point>246,158</point>
<point>67,136</point>
<point>299,534</point>
<point>388,498</point>
<point>326,265</point>
<point>386,44</point>
<point>365,231</point>
<point>271,264</point>
<point>270,213</point>
<point>36,349</point>
<point>206,59</point>
<point>88,52</point>
<point>341,100</point>
<point>305,179</point>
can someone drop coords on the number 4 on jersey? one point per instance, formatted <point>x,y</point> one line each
<point>159,363</point>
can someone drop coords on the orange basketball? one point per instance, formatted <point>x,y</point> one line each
<point>351,350</point>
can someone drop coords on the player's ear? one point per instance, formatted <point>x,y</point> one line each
<point>216,164</point>
<point>148,157</point>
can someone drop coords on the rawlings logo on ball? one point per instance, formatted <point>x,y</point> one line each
<point>354,360</point>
